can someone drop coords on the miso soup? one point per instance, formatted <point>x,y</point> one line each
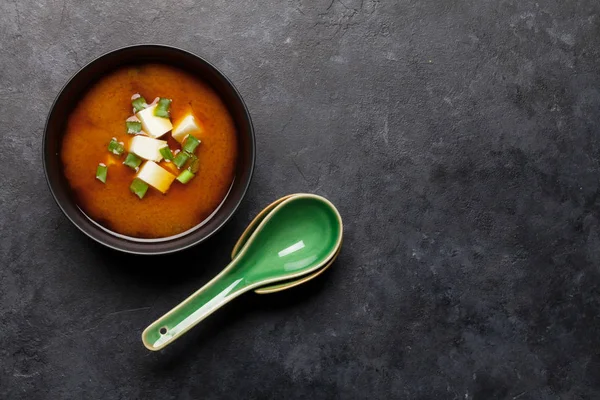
<point>149,151</point>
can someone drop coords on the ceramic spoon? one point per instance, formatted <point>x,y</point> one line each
<point>252,227</point>
<point>297,238</point>
<point>296,282</point>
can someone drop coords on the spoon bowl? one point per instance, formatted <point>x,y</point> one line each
<point>296,282</point>
<point>254,224</point>
<point>298,237</point>
<point>248,232</point>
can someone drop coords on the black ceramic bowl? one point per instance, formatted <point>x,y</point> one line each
<point>87,76</point>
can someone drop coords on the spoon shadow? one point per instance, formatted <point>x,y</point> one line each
<point>234,315</point>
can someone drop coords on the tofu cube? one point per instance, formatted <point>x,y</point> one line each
<point>147,148</point>
<point>154,126</point>
<point>187,126</point>
<point>156,176</point>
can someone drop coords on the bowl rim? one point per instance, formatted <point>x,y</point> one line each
<point>118,239</point>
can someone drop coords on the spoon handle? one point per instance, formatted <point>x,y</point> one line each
<point>216,293</point>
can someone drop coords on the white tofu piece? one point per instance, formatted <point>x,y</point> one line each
<point>147,148</point>
<point>154,126</point>
<point>187,126</point>
<point>156,176</point>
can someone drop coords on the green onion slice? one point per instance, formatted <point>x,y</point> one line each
<point>194,165</point>
<point>185,176</point>
<point>162,108</point>
<point>133,127</point>
<point>139,104</point>
<point>167,153</point>
<point>139,187</point>
<point>117,148</point>
<point>101,172</point>
<point>180,159</point>
<point>132,161</point>
<point>190,144</point>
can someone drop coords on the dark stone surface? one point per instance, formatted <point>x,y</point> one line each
<point>459,140</point>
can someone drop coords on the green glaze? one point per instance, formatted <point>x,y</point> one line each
<point>298,237</point>
<point>297,281</point>
<point>254,224</point>
<point>246,235</point>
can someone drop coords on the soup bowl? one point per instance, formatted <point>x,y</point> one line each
<point>77,86</point>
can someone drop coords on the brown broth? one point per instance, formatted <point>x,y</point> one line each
<point>100,115</point>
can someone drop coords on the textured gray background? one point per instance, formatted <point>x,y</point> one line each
<point>459,140</point>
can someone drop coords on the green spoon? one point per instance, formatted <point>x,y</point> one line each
<point>297,238</point>
<point>252,227</point>
<point>296,282</point>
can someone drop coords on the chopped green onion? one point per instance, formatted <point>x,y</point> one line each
<point>167,153</point>
<point>185,176</point>
<point>180,159</point>
<point>115,147</point>
<point>190,143</point>
<point>162,108</point>
<point>132,161</point>
<point>101,172</point>
<point>133,127</point>
<point>139,187</point>
<point>139,104</point>
<point>194,165</point>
